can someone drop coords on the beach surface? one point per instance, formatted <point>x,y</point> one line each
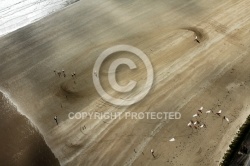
<point>15,14</point>
<point>214,73</point>
<point>21,143</point>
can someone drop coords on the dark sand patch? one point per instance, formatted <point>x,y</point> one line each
<point>21,144</point>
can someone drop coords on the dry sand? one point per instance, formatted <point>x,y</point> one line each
<point>214,74</point>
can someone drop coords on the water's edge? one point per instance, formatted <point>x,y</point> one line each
<point>21,143</point>
<point>16,14</point>
<point>235,154</point>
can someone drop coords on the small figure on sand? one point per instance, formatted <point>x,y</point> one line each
<point>172,140</point>
<point>200,110</point>
<point>73,75</point>
<point>225,118</point>
<point>195,115</point>
<point>219,113</point>
<point>59,74</point>
<point>152,152</point>
<point>95,73</point>
<point>209,111</point>
<point>55,118</point>
<point>196,39</point>
<point>201,126</point>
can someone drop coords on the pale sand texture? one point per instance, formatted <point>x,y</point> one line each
<point>214,74</point>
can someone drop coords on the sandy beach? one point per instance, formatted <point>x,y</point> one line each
<point>214,74</point>
<point>21,143</point>
<point>15,14</point>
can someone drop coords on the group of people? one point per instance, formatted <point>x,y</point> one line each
<point>196,124</point>
<point>63,74</point>
<point>192,124</point>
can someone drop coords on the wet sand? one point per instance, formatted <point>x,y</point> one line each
<point>16,14</point>
<point>214,74</point>
<point>21,144</point>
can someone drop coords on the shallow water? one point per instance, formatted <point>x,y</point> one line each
<point>21,144</point>
<point>15,14</point>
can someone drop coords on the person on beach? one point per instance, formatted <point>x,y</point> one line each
<point>152,152</point>
<point>95,73</point>
<point>225,118</point>
<point>196,115</point>
<point>219,113</point>
<point>200,110</point>
<point>84,127</point>
<point>209,111</point>
<point>55,118</point>
<point>196,39</point>
<point>59,74</point>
